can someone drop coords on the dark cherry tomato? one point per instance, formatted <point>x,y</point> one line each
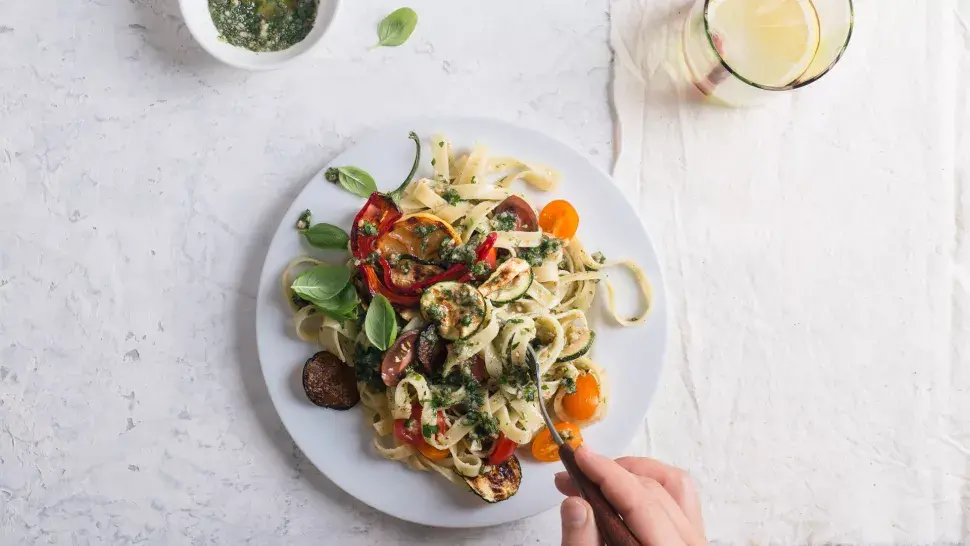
<point>525,215</point>
<point>399,357</point>
<point>478,368</point>
<point>502,450</point>
<point>431,349</point>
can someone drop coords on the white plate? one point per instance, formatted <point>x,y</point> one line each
<point>340,444</point>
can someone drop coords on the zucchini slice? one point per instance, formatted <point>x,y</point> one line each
<point>579,338</point>
<point>499,482</point>
<point>509,282</point>
<point>458,308</point>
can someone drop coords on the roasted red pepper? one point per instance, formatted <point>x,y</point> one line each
<point>487,245</point>
<point>451,274</point>
<point>484,252</point>
<point>374,286</point>
<point>381,210</point>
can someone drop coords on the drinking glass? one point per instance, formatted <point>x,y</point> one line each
<point>741,52</point>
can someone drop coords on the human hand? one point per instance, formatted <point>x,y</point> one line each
<point>658,502</point>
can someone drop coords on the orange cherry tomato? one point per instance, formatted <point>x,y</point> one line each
<point>432,452</point>
<point>544,448</point>
<point>581,405</point>
<point>559,219</point>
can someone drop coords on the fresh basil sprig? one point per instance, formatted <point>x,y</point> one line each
<point>321,282</point>
<point>381,323</point>
<point>329,289</point>
<point>396,28</point>
<point>343,306</point>
<point>327,236</point>
<point>353,179</point>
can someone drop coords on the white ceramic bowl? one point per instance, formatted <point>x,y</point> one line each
<point>197,18</point>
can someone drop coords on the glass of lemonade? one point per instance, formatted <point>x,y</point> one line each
<point>740,51</point>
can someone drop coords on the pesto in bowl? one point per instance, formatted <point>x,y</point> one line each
<point>263,25</point>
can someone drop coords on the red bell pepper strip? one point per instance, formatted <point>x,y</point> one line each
<point>375,287</point>
<point>381,213</point>
<point>486,246</point>
<point>452,273</point>
<point>482,253</point>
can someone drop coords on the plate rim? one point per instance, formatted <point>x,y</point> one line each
<point>657,282</point>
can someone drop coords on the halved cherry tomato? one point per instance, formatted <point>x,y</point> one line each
<point>559,219</point>
<point>544,448</point>
<point>409,430</point>
<point>399,357</point>
<point>478,370</point>
<point>432,452</point>
<point>525,216</point>
<point>502,450</point>
<point>432,350</point>
<point>581,405</point>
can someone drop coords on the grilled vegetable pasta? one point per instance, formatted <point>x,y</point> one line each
<point>459,274</point>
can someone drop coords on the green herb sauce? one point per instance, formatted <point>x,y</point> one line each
<point>263,25</point>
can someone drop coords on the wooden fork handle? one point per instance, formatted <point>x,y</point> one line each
<point>612,528</point>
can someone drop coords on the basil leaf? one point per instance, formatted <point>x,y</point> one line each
<point>381,323</point>
<point>321,282</point>
<point>342,307</point>
<point>397,27</point>
<point>327,236</point>
<point>356,181</point>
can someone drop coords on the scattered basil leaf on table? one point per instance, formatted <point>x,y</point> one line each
<point>321,282</point>
<point>327,236</point>
<point>397,27</point>
<point>380,324</point>
<point>353,179</point>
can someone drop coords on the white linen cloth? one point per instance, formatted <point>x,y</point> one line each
<point>817,382</point>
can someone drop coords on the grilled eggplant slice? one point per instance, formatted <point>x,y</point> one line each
<point>330,383</point>
<point>499,482</point>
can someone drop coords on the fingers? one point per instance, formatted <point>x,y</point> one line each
<point>674,480</point>
<point>567,487</point>
<point>645,506</point>
<point>578,527</point>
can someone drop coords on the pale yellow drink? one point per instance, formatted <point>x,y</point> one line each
<point>734,48</point>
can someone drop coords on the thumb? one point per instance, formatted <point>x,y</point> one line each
<point>578,527</point>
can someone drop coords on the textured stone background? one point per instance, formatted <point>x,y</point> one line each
<point>139,184</point>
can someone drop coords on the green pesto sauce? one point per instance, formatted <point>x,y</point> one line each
<point>263,25</point>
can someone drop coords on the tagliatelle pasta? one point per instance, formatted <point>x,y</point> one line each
<point>474,281</point>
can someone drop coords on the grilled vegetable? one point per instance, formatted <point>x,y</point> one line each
<point>510,281</point>
<point>499,482</point>
<point>398,357</point>
<point>521,214</point>
<point>330,383</point>
<point>579,338</point>
<point>582,404</point>
<point>458,308</point>
<point>419,235</point>
<point>544,448</point>
<point>431,348</point>
<point>559,219</point>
